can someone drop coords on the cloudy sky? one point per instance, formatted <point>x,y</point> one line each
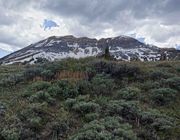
<point>154,21</point>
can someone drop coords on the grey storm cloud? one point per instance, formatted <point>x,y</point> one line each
<point>11,39</point>
<point>123,15</point>
<point>106,10</point>
<point>7,20</point>
<point>93,18</point>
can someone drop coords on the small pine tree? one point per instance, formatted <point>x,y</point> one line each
<point>163,57</point>
<point>107,53</point>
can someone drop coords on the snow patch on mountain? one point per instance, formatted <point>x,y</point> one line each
<point>57,48</point>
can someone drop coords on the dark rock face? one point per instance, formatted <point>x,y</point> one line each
<point>121,48</point>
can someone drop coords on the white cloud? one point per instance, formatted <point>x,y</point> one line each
<point>159,34</point>
<point>27,29</point>
<point>156,21</point>
<point>7,47</point>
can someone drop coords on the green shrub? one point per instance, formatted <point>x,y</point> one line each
<point>42,96</point>
<point>60,129</point>
<point>10,134</point>
<point>32,72</point>
<point>174,83</point>
<point>163,96</point>
<point>47,75</point>
<point>155,124</point>
<point>116,70</point>
<point>124,70</point>
<point>164,64</point>
<point>37,117</point>
<point>161,124</point>
<point>102,100</point>
<point>84,87</point>
<point>178,69</point>
<point>35,122</point>
<point>39,86</point>
<point>52,67</point>
<point>69,90</point>
<point>11,80</point>
<point>148,85</point>
<point>55,91</point>
<point>109,128</point>
<point>70,102</point>
<point>91,135</point>
<point>127,109</point>
<point>85,98</point>
<point>37,92</point>
<point>91,72</point>
<point>158,75</point>
<point>91,116</point>
<point>102,85</point>
<point>148,117</point>
<point>85,107</point>
<point>153,119</point>
<point>129,93</point>
<point>102,66</point>
<point>34,116</point>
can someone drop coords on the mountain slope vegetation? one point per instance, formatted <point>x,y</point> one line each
<point>90,99</point>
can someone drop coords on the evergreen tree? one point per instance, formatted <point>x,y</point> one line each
<point>107,53</point>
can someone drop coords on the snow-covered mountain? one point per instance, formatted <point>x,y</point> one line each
<point>56,48</point>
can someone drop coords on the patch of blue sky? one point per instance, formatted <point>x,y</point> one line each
<point>48,24</point>
<point>141,39</point>
<point>177,46</point>
<point>3,53</point>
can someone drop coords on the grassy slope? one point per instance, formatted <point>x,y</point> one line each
<point>52,118</point>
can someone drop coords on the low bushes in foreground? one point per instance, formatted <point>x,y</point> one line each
<point>108,128</point>
<point>117,100</point>
<point>163,96</point>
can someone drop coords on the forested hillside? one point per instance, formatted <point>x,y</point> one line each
<point>90,99</point>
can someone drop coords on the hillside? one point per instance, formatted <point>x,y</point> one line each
<point>57,48</point>
<point>89,99</point>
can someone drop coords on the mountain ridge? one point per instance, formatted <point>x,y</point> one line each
<point>60,47</point>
